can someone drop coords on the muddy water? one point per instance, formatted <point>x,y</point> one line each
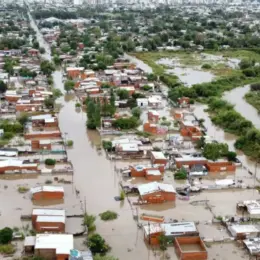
<point>96,180</point>
<point>236,97</point>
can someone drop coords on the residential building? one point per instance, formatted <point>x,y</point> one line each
<point>190,248</point>
<point>152,232</point>
<point>158,158</point>
<point>244,231</point>
<point>47,192</point>
<point>155,192</point>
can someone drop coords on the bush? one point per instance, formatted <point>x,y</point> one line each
<point>69,143</point>
<point>126,123</point>
<point>123,94</point>
<point>181,174</point>
<point>97,244</point>
<point>89,222</point>
<point>147,87</point>
<point>7,249</point>
<point>48,182</point>
<point>136,111</point>
<point>249,72</point>
<point>107,145</point>
<point>77,105</point>
<point>231,156</point>
<point>50,161</point>
<point>206,66</point>
<point>6,235</point>
<point>122,195</point>
<point>213,151</point>
<point>22,189</point>
<point>108,215</point>
<point>255,86</point>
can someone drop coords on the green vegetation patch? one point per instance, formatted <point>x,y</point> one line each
<point>108,215</point>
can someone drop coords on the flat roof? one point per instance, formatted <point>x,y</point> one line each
<point>47,189</point>
<point>29,241</point>
<point>63,243</point>
<point>130,147</point>
<point>190,158</point>
<point>41,117</point>
<point>158,155</point>
<point>49,212</point>
<point>59,219</point>
<point>153,172</point>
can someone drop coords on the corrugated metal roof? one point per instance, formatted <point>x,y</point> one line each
<point>154,187</point>
<point>49,212</point>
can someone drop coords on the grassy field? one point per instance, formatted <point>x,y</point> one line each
<point>253,98</point>
<point>188,60</point>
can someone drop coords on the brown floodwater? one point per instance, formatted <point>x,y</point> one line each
<point>98,183</point>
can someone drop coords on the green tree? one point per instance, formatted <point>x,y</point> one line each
<point>163,241</point>
<point>47,67</point>
<point>69,85</point>
<point>6,235</point>
<point>136,111</point>
<point>97,244</point>
<point>123,94</point>
<point>89,222</point>
<point>3,87</point>
<point>213,151</point>
<point>49,102</point>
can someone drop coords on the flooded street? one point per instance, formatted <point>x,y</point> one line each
<point>95,178</point>
<point>236,98</point>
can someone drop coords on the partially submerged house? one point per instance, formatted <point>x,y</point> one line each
<point>47,193</point>
<point>17,165</point>
<point>51,220</point>
<point>158,158</point>
<point>50,246</point>
<point>244,231</point>
<point>152,232</point>
<point>150,172</point>
<point>190,248</point>
<point>155,192</point>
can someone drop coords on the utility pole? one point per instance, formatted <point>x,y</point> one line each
<point>85,205</point>
<point>149,240</point>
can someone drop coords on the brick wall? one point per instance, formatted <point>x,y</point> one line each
<point>48,195</point>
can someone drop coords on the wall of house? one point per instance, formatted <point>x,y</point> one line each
<point>49,254</point>
<point>62,257</point>
<point>42,135</point>
<point>153,239</point>
<point>185,255</point>
<point>191,163</point>
<point>27,107</point>
<point>48,195</point>
<point>220,167</point>
<point>15,168</point>
<point>135,173</point>
<point>49,226</point>
<point>159,197</point>
<point>73,73</point>
<point>153,177</point>
<point>12,98</point>
<point>158,161</point>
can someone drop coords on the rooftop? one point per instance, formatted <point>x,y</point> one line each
<point>47,189</point>
<point>151,187</point>
<point>63,243</point>
<point>158,155</point>
<point>59,219</point>
<point>49,212</point>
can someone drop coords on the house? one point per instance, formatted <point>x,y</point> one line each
<point>41,145</point>
<point>150,172</point>
<point>244,231</point>
<point>184,102</point>
<point>189,129</point>
<point>155,192</point>
<point>251,206</point>
<point>153,116</point>
<point>47,192</point>
<point>189,161</point>
<point>190,248</point>
<point>11,96</point>
<point>158,158</point>
<point>150,128</point>
<point>50,224</point>
<point>33,52</point>
<point>17,165</point>
<point>45,120</point>
<point>220,166</point>
<point>47,213</point>
<point>252,245</point>
<point>51,246</point>
<point>155,101</point>
<point>152,232</point>
<point>142,102</point>
<point>74,72</point>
